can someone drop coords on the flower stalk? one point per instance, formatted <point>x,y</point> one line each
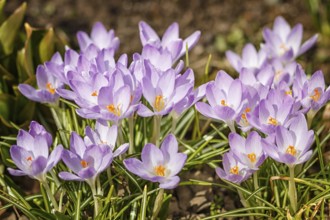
<point>158,204</point>
<point>50,195</point>
<point>156,132</point>
<point>292,190</point>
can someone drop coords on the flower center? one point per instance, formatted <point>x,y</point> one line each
<point>272,121</point>
<point>316,95</point>
<point>289,92</point>
<point>223,102</point>
<point>159,103</point>
<point>234,170</point>
<point>160,170</point>
<point>84,163</point>
<point>283,48</point>
<point>94,93</point>
<point>247,110</point>
<point>114,110</point>
<point>29,158</point>
<point>50,88</point>
<point>291,150</point>
<point>252,157</point>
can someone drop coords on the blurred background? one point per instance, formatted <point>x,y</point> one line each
<point>224,24</point>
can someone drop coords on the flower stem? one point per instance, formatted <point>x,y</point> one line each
<point>231,126</point>
<point>120,139</point>
<point>292,190</point>
<point>50,194</point>
<point>175,119</point>
<point>158,204</point>
<point>310,116</point>
<point>256,184</point>
<point>156,133</point>
<point>131,134</point>
<point>96,203</point>
<point>59,126</point>
<point>244,202</point>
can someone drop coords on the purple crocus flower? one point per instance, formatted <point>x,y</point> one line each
<point>170,40</point>
<point>47,84</point>
<point>104,135</point>
<point>225,97</point>
<point>100,37</point>
<point>31,153</point>
<point>315,95</point>
<point>233,170</point>
<point>251,59</point>
<point>163,90</point>
<point>292,144</point>
<point>248,151</point>
<point>159,165</point>
<point>87,162</point>
<point>285,43</point>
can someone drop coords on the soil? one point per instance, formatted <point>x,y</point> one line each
<point>224,25</point>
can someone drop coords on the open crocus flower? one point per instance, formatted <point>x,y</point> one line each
<point>159,165</point>
<point>170,40</point>
<point>47,84</point>
<point>100,37</point>
<point>292,144</point>
<point>248,151</point>
<point>233,170</point>
<point>31,154</point>
<point>251,59</point>
<point>285,43</point>
<point>87,162</point>
<point>315,95</point>
<point>163,90</point>
<point>225,97</point>
<point>104,135</point>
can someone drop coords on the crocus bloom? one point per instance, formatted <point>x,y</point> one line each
<point>163,90</point>
<point>225,99</point>
<point>31,154</point>
<point>292,144</point>
<point>233,170</point>
<point>100,37</point>
<point>47,85</point>
<point>87,162</point>
<point>104,135</point>
<point>251,59</point>
<point>285,43</point>
<point>159,165</point>
<point>170,40</point>
<point>248,151</point>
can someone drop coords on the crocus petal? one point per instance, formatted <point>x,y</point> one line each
<point>234,60</point>
<point>171,34</point>
<point>120,150</point>
<point>206,110</point>
<point>169,147</point>
<point>38,166</point>
<point>72,161</point>
<point>69,176</point>
<point>77,145</point>
<point>176,163</point>
<point>147,33</point>
<point>170,183</point>
<point>137,167</point>
<point>308,44</point>
<point>303,158</point>
<point>151,156</point>
<point>144,111</point>
<point>16,172</point>
<point>54,157</point>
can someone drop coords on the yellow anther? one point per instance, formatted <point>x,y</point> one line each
<point>252,157</point>
<point>291,150</point>
<point>234,170</point>
<point>94,93</point>
<point>159,103</point>
<point>289,92</point>
<point>160,170</point>
<point>84,163</point>
<point>50,88</point>
<point>29,158</point>
<point>272,121</point>
<point>114,110</point>
<point>316,96</point>
<point>223,102</point>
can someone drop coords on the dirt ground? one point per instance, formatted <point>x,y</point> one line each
<point>224,25</point>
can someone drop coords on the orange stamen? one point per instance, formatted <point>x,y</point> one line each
<point>94,93</point>
<point>234,170</point>
<point>84,163</point>
<point>252,157</point>
<point>160,170</point>
<point>50,88</point>
<point>272,121</point>
<point>29,158</point>
<point>159,103</point>
<point>291,150</point>
<point>223,102</point>
<point>114,110</point>
<point>316,96</point>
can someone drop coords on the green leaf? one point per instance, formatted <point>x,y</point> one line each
<point>46,46</point>
<point>9,29</point>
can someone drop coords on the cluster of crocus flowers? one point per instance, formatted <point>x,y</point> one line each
<point>271,94</point>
